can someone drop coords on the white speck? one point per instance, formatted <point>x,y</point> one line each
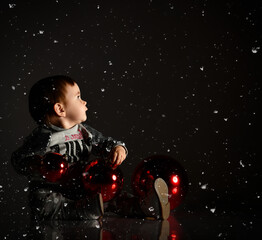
<point>98,7</point>
<point>204,186</point>
<point>26,189</point>
<point>102,89</point>
<point>1,186</point>
<point>255,49</point>
<point>55,41</point>
<point>13,87</point>
<point>12,5</point>
<point>215,111</point>
<point>212,210</point>
<point>225,119</point>
<point>41,32</point>
<point>202,68</point>
<point>97,226</point>
<point>241,163</point>
<point>65,204</point>
<point>163,115</point>
<point>110,63</point>
<point>151,209</point>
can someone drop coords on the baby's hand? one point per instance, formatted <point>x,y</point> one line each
<point>117,156</point>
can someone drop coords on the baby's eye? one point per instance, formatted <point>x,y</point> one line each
<point>79,96</point>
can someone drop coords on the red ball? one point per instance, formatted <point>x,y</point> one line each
<point>100,177</point>
<point>53,166</point>
<point>159,166</point>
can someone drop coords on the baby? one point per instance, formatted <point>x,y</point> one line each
<point>55,104</point>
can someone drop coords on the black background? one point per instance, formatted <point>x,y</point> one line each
<point>179,78</point>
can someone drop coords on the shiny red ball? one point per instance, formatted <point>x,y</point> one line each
<point>160,166</point>
<point>53,166</point>
<point>100,177</point>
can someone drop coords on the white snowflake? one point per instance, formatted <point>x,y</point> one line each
<point>212,210</point>
<point>241,163</point>
<point>12,5</point>
<point>255,49</point>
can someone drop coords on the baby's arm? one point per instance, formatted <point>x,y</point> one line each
<point>107,147</point>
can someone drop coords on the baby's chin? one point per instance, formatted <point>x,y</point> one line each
<point>84,119</point>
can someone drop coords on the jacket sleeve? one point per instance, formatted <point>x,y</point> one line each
<point>101,145</point>
<point>27,156</point>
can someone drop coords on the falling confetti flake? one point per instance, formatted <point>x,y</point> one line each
<point>12,5</point>
<point>212,210</point>
<point>255,49</point>
<point>241,163</point>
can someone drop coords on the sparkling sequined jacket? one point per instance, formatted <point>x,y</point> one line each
<point>76,143</point>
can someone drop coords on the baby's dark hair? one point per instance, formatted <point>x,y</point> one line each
<point>44,94</point>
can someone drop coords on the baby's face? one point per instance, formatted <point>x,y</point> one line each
<point>74,106</point>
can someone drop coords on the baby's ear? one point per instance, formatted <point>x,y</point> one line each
<point>59,109</point>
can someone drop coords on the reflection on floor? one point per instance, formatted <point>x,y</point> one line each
<point>110,228</point>
<point>179,226</point>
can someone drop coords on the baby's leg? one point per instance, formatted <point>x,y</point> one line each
<point>47,204</point>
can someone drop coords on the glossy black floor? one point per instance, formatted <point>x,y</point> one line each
<point>180,225</point>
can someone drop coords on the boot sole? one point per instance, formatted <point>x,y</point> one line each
<point>101,203</point>
<point>162,193</point>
